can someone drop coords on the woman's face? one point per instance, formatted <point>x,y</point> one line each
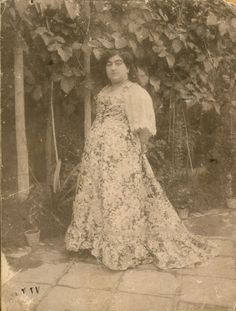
<point>116,69</point>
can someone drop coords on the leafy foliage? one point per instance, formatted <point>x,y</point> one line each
<point>187,46</point>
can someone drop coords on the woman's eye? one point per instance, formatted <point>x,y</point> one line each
<point>116,63</point>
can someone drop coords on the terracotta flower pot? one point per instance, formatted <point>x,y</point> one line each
<point>231,202</point>
<point>32,237</point>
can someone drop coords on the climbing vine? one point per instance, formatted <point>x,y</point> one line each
<point>187,46</point>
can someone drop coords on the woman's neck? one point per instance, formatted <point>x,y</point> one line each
<point>118,84</point>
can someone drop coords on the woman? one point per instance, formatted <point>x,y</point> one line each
<point>120,212</point>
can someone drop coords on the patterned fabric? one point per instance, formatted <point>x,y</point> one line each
<point>120,212</point>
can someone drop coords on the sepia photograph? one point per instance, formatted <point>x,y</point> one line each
<point>118,155</point>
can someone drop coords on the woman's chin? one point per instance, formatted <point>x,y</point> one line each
<point>115,81</point>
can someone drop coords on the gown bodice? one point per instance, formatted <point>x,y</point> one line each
<point>110,106</point>
<point>130,104</point>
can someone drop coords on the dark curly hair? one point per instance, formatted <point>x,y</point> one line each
<point>127,59</point>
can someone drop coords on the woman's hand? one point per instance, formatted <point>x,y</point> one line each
<point>143,137</point>
<point>143,148</point>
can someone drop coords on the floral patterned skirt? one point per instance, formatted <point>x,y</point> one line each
<point>121,213</point>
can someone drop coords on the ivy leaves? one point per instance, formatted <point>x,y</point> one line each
<point>21,6</point>
<point>211,20</point>
<point>65,52</point>
<point>56,43</point>
<point>73,8</point>
<point>67,84</point>
<point>116,40</point>
<point>155,83</point>
<point>200,40</point>
<point>184,45</point>
<point>120,42</point>
<point>67,76</point>
<point>177,45</point>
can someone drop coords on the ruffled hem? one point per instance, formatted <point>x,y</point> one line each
<point>124,256</point>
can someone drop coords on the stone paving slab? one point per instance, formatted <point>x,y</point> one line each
<point>226,248</point>
<point>212,225</point>
<point>51,255</point>
<point>205,290</point>
<point>217,267</point>
<point>91,276</point>
<point>22,296</point>
<point>70,299</point>
<point>148,282</point>
<point>133,302</point>
<point>47,273</point>
<point>147,267</point>
<point>183,306</point>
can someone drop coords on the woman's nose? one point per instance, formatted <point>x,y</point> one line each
<point>113,66</point>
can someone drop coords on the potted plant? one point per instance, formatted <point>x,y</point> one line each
<point>36,205</point>
<point>33,234</point>
<point>183,202</point>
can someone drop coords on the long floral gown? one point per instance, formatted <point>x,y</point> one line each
<point>120,212</point>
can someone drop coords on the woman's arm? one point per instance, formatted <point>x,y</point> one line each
<point>140,113</point>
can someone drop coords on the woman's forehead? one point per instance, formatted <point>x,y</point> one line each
<point>114,58</point>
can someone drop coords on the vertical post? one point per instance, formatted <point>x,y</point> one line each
<point>233,142</point>
<point>0,108</point>
<point>87,66</point>
<point>21,143</point>
<point>49,152</point>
